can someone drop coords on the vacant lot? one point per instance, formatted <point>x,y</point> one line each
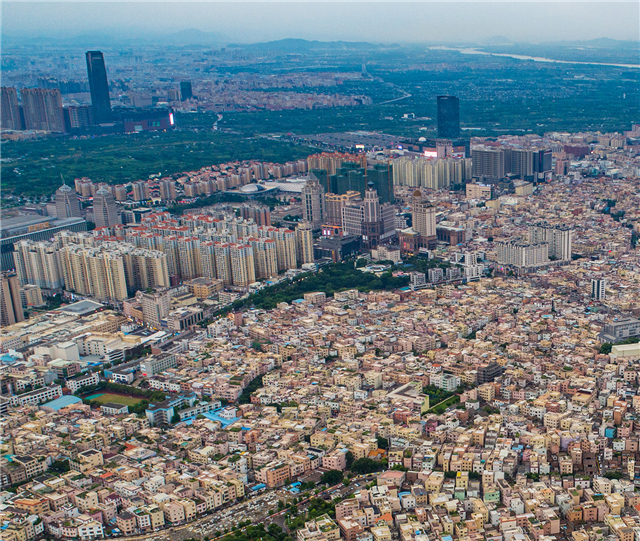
<point>103,398</point>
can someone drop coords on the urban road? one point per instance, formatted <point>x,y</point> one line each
<point>254,509</point>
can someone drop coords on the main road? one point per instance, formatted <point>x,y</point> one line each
<point>255,509</point>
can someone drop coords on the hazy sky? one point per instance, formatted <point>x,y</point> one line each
<point>351,21</point>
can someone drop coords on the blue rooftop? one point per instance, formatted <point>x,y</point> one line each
<point>225,422</point>
<point>8,359</point>
<point>62,402</point>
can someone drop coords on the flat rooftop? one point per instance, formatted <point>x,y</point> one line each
<point>82,308</point>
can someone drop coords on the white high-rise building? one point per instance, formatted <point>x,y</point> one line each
<point>424,219</point>
<point>559,237</point>
<point>522,254</point>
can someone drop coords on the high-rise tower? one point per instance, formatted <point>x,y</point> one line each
<point>10,110</point>
<point>67,205</point>
<point>448,117</point>
<point>99,86</point>
<point>313,203</point>
<point>42,109</point>
<point>186,92</point>
<point>105,212</point>
<point>10,302</point>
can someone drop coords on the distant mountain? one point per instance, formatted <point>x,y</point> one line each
<point>293,45</point>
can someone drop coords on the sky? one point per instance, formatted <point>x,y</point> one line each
<point>379,22</point>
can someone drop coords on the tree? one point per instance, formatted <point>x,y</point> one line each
<point>332,477</point>
<point>175,419</point>
<point>349,457</point>
<point>383,443</point>
<point>60,466</point>
<point>366,465</point>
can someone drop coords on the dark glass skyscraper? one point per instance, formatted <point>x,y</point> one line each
<point>186,92</point>
<point>99,87</point>
<point>448,117</point>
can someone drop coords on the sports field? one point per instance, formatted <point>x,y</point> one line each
<point>104,398</point>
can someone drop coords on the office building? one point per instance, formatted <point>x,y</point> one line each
<point>42,110</point>
<point>203,288</point>
<point>155,307</point>
<point>98,86</point>
<point>448,117</point>
<point>304,243</point>
<point>424,218</point>
<point>422,233</point>
<point>353,176</point>
<point>10,302</point>
<point>620,329</point>
<point>478,191</point>
<point>352,218</point>
<point>559,237</point>
<point>527,164</point>
<point>105,211</point>
<point>487,163</point>
<point>313,203</point>
<point>67,205</point>
<point>336,202</point>
<point>521,254</point>
<point>598,291</point>
<point>10,110</point>
<point>156,364</point>
<point>186,92</point>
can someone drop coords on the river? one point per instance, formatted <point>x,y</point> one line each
<point>469,50</point>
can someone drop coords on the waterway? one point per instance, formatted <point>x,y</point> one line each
<point>469,50</point>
